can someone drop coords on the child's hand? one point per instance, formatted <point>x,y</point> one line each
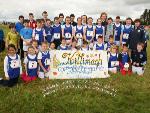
<point>45,71</point>
<point>126,69</point>
<point>7,78</point>
<point>137,64</point>
<point>134,63</point>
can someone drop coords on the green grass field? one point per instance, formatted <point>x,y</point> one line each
<point>117,94</point>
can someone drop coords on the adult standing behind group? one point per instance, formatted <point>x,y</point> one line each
<point>19,25</point>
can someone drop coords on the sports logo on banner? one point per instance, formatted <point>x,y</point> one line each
<point>78,64</point>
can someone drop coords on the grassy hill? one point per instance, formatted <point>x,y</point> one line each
<point>117,94</point>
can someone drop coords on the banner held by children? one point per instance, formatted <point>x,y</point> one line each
<point>78,64</point>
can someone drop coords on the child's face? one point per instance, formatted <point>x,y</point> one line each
<point>31,51</point>
<point>103,17</point>
<point>125,49</point>
<point>100,40</point>
<point>31,17</point>
<point>11,51</point>
<point>99,22</point>
<point>13,29</point>
<point>79,22</point>
<point>74,44</point>
<point>128,22</point>
<point>48,23</point>
<point>63,42</point>
<point>114,50</point>
<point>85,45</point>
<point>109,21</point>
<point>90,21</point>
<point>61,18</point>
<point>38,24</point>
<point>45,15</point>
<point>52,46</point>
<point>35,44</point>
<point>117,20</point>
<point>139,48</point>
<point>56,21</point>
<point>44,47</point>
<point>21,20</point>
<point>111,40</point>
<point>26,24</point>
<point>68,21</point>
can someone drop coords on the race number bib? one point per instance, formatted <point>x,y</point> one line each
<point>125,36</point>
<point>80,42</point>
<point>37,37</point>
<point>98,35</point>
<point>14,64</point>
<point>32,64</point>
<point>114,63</point>
<point>79,35</point>
<point>126,65</point>
<point>116,32</point>
<point>90,33</point>
<point>56,35</point>
<point>47,62</point>
<point>68,35</point>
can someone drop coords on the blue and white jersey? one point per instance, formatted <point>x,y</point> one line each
<point>13,67</point>
<point>39,35</point>
<point>99,30</point>
<point>57,32</point>
<point>113,60</point>
<point>117,31</point>
<point>89,32</point>
<point>45,59</point>
<point>126,32</point>
<point>98,46</point>
<point>32,64</point>
<point>67,31</point>
<point>49,33</point>
<point>79,30</point>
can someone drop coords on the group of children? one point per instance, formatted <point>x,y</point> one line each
<point>40,37</point>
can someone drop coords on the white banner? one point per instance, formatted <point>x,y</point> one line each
<point>78,64</point>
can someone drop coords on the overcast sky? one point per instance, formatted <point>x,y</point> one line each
<point>11,9</point>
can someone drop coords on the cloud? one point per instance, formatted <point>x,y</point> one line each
<point>10,10</point>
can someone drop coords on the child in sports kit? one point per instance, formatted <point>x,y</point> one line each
<point>138,60</point>
<point>35,46</point>
<point>118,30</point>
<point>39,33</point>
<point>89,31</point>
<point>26,36</point>
<point>32,22</point>
<point>63,45</point>
<point>85,46</point>
<point>49,31</point>
<point>99,45</point>
<point>113,62</point>
<point>79,32</point>
<point>126,31</point>
<point>67,31</point>
<point>44,60</point>
<point>109,29</point>
<point>31,66</point>
<point>57,34</point>
<point>99,30</point>
<point>110,43</point>
<point>124,61</point>
<point>12,67</point>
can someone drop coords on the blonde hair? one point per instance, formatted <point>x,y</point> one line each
<point>113,47</point>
